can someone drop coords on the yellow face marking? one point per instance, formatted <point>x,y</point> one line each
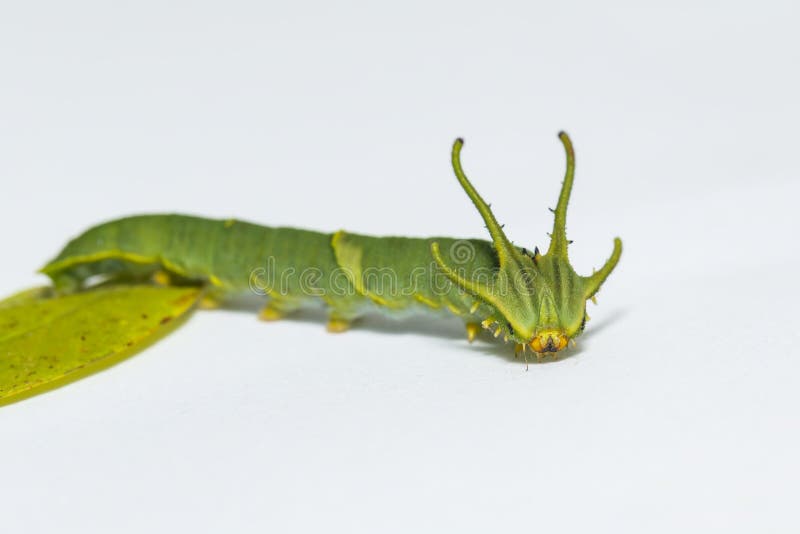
<point>549,341</point>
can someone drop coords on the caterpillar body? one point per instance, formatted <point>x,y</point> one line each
<point>535,300</point>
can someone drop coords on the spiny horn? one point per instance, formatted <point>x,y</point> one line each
<point>594,282</point>
<point>505,249</point>
<point>558,239</point>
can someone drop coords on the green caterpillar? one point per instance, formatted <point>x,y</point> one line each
<point>536,300</point>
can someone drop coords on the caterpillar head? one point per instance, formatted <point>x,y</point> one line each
<point>538,300</point>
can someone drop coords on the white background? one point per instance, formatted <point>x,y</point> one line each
<point>678,411</point>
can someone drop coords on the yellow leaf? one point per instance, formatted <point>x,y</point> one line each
<point>47,341</point>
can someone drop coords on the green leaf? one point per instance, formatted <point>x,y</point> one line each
<point>47,341</point>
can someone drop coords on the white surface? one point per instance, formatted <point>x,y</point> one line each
<point>679,411</point>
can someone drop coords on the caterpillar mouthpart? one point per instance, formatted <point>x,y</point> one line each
<point>549,341</point>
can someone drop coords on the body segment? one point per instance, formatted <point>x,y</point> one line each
<point>349,273</point>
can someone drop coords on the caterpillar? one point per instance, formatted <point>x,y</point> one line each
<point>535,300</point>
